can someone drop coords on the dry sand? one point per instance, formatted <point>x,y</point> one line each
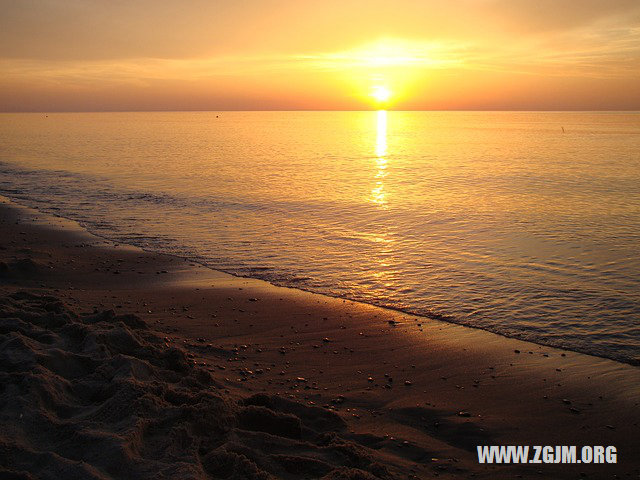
<point>118,363</point>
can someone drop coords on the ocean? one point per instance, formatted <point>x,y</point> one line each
<point>526,224</point>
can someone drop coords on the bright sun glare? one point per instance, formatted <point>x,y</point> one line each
<point>380,93</point>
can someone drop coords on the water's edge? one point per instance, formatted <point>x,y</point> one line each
<point>86,226</point>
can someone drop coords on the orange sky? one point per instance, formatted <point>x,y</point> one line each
<point>58,55</point>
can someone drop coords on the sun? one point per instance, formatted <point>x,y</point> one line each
<point>381,93</point>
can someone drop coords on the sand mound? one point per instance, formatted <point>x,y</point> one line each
<point>20,267</point>
<point>101,396</point>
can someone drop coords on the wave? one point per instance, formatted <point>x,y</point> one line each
<point>150,220</point>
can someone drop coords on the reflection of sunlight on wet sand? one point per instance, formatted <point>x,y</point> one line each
<point>378,195</point>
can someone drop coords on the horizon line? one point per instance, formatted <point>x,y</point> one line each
<point>327,110</point>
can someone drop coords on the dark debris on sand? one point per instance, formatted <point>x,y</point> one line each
<point>103,397</point>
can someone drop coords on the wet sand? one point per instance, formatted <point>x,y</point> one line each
<point>118,363</point>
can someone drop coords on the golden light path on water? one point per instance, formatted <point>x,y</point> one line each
<point>378,195</point>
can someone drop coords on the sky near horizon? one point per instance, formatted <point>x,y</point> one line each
<point>91,55</point>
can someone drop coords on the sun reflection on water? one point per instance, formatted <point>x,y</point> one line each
<point>378,194</point>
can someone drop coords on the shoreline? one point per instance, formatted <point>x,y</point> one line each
<point>464,386</point>
<point>428,318</point>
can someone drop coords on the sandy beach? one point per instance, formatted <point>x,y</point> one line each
<point>119,363</point>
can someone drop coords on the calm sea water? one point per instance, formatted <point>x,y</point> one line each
<point>497,220</point>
